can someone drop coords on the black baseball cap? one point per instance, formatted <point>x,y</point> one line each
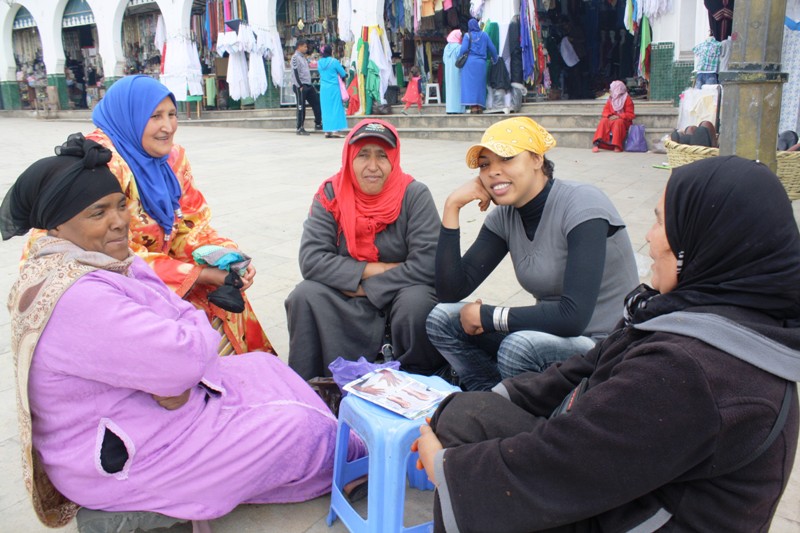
<point>377,130</point>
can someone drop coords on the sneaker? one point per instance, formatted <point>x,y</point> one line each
<point>317,127</point>
<point>302,132</point>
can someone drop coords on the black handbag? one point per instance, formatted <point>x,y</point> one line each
<point>462,59</point>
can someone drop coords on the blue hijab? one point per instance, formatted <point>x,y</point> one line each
<point>122,115</point>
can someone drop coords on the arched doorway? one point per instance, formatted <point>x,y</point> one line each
<point>31,72</point>
<point>83,64</point>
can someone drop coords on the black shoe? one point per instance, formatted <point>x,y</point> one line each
<point>317,127</point>
<point>302,132</point>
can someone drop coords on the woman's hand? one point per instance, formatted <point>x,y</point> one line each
<point>471,191</point>
<point>171,403</point>
<point>377,268</point>
<point>212,276</point>
<point>613,117</point>
<point>471,318</point>
<point>358,292</point>
<point>248,276</point>
<point>428,445</point>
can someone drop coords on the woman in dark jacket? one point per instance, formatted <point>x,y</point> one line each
<point>685,418</point>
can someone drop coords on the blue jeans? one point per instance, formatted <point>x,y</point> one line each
<point>482,361</point>
<point>706,78</point>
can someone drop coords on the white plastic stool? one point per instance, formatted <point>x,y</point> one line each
<point>432,93</point>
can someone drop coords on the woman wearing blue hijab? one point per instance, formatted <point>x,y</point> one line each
<point>473,73</point>
<point>137,120</point>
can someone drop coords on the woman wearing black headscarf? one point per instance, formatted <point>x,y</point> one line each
<point>123,403</point>
<point>685,418</point>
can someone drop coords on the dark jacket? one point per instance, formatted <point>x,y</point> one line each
<point>660,431</point>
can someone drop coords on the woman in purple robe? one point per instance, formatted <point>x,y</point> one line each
<point>123,402</point>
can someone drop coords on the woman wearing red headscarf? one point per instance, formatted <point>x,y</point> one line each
<point>367,258</point>
<point>617,117</point>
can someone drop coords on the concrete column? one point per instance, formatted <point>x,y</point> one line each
<point>9,93</point>
<point>751,101</point>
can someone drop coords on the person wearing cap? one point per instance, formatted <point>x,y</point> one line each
<point>304,92</point>
<point>684,419</point>
<point>367,260</point>
<point>124,405</point>
<point>569,248</point>
<point>170,219</point>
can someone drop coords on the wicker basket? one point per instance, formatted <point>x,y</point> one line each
<point>788,163</point>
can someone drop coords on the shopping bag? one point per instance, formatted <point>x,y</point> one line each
<point>636,141</point>
<point>343,91</point>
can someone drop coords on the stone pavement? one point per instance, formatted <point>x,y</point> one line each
<point>260,186</point>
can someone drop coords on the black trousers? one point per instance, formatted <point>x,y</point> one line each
<point>307,94</point>
<point>471,417</point>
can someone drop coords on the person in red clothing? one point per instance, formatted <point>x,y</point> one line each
<point>617,117</point>
<point>413,91</point>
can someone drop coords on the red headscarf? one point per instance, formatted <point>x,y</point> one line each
<point>362,216</point>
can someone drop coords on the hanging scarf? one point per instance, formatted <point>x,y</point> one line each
<point>732,251</point>
<point>360,216</point>
<point>619,93</point>
<point>123,115</point>
<point>51,269</point>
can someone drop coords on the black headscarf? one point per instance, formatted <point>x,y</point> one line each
<point>731,226</point>
<point>54,189</point>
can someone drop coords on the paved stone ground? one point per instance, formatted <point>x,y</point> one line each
<point>260,186</point>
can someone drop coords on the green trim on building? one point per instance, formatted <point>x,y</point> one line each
<point>9,95</point>
<point>668,78</point>
<point>108,81</point>
<point>59,81</point>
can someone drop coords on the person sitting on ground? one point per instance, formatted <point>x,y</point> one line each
<point>704,134</point>
<point>170,219</point>
<point>683,419</point>
<point>617,118</point>
<point>569,248</point>
<point>367,260</point>
<point>124,404</point>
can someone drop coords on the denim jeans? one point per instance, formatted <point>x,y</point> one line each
<point>706,78</point>
<point>482,361</point>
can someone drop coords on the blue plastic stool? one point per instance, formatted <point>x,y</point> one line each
<point>388,438</point>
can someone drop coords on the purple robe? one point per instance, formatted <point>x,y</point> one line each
<point>252,430</point>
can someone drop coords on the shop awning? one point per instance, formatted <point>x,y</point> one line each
<point>77,13</point>
<point>24,19</point>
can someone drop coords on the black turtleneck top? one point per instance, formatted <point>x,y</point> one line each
<point>457,277</point>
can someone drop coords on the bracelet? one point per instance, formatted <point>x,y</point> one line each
<point>500,318</point>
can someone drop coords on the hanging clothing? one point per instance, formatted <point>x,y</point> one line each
<point>720,17</point>
<point>790,62</point>
<point>473,73</point>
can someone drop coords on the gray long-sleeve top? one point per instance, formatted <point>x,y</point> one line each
<point>410,240</point>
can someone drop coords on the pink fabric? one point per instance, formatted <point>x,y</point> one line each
<point>114,341</point>
<point>455,36</point>
<point>618,95</point>
<point>226,8</point>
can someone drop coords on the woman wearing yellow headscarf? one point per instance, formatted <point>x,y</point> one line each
<point>569,248</point>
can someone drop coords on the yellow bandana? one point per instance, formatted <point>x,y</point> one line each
<point>510,137</point>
